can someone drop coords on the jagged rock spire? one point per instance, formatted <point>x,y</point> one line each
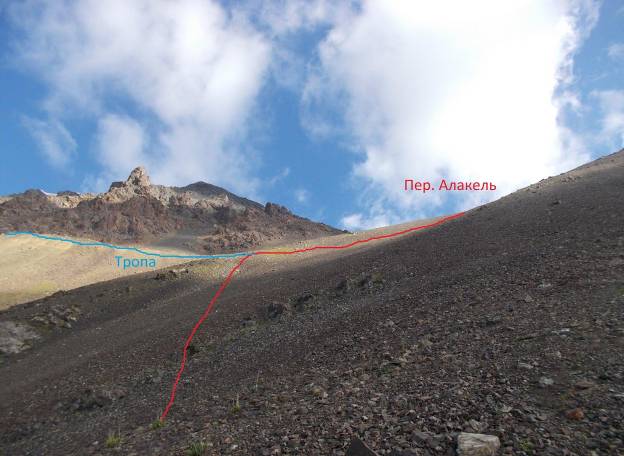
<point>139,177</point>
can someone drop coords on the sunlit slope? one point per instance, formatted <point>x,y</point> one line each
<point>32,268</point>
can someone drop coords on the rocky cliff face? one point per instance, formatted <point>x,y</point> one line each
<point>199,216</point>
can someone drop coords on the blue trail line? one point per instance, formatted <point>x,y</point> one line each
<point>132,249</point>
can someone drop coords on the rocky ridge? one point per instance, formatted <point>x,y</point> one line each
<point>200,216</point>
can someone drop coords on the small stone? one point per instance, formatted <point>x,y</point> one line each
<point>318,392</point>
<point>575,414</point>
<point>584,384</point>
<point>477,444</point>
<point>359,448</point>
<point>248,322</point>
<point>545,381</point>
<point>505,409</point>
<point>475,425</point>
<point>274,310</point>
<point>493,320</point>
<point>421,438</point>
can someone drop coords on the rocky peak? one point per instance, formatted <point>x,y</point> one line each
<point>139,177</point>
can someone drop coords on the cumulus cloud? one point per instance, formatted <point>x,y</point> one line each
<point>611,104</point>
<point>359,221</point>
<point>616,51</point>
<point>291,25</point>
<point>470,91</point>
<point>456,90</point>
<point>55,142</point>
<point>120,144</point>
<point>302,195</point>
<point>288,16</point>
<point>191,70</point>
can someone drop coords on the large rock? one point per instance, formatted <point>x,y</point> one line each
<point>477,444</point>
<point>15,337</point>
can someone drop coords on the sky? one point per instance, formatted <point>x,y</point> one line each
<point>325,107</point>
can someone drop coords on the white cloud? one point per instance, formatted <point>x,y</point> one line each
<point>283,174</point>
<point>461,90</point>
<point>54,141</point>
<point>612,107</point>
<point>120,145</point>
<point>456,90</point>
<point>359,221</point>
<point>616,51</point>
<point>302,195</point>
<point>191,70</point>
<point>290,25</point>
<point>287,17</point>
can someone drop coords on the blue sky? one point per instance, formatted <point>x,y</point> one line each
<point>325,107</point>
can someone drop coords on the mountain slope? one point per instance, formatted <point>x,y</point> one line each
<point>507,321</point>
<point>32,268</point>
<point>197,219</point>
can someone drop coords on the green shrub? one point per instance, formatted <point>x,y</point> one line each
<point>113,440</point>
<point>157,424</point>
<point>197,449</point>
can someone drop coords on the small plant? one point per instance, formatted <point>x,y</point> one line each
<point>236,408</point>
<point>377,278</point>
<point>197,449</point>
<point>157,424</point>
<point>113,440</point>
<point>526,446</point>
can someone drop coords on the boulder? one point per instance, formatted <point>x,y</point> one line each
<point>477,444</point>
<point>15,337</point>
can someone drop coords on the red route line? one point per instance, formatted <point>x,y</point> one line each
<point>228,279</point>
